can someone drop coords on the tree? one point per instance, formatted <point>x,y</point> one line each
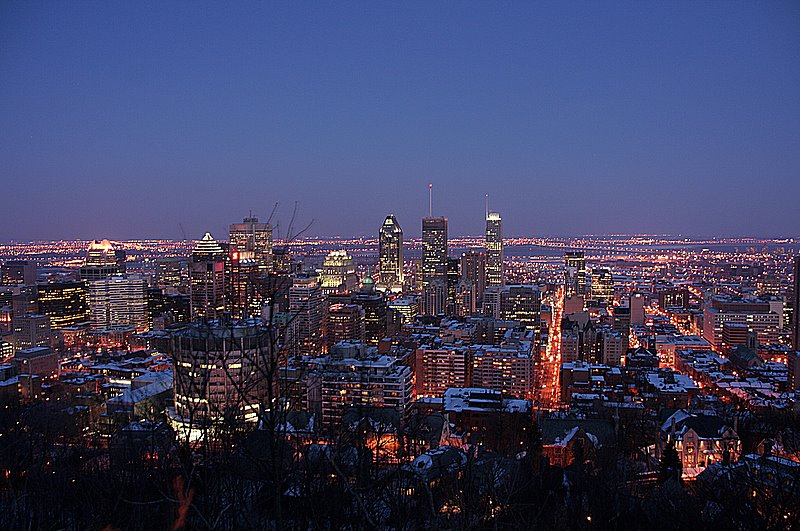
<point>670,465</point>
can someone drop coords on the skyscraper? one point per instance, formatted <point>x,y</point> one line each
<point>375,311</point>
<point>390,244</point>
<point>118,300</point>
<point>102,261</point>
<point>494,250</point>
<point>207,278</point>
<point>244,278</point>
<point>473,270</point>
<point>253,237</point>
<point>64,302</point>
<point>219,373</point>
<point>434,250</point>
<point>796,309</point>
<point>18,272</point>
<point>574,273</point>
<point>306,309</point>
<point>603,285</point>
<point>339,273</point>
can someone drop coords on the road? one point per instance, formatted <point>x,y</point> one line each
<point>549,368</point>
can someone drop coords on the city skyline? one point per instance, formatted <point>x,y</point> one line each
<point>135,121</point>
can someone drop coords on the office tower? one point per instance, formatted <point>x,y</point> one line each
<point>345,323</point>
<point>250,236</point>
<point>603,285</point>
<point>494,250</point>
<point>164,309</point>
<point>757,315</point>
<point>673,298</point>
<point>207,278</point>
<point>118,301</point>
<point>355,375</point>
<point>574,273</point>
<point>24,302</point>
<point>473,269</point>
<point>636,303</point>
<point>219,375</point>
<point>796,308</point>
<point>18,272</point>
<point>407,307</point>
<point>390,250</point>
<point>305,309</point>
<point>244,279</point>
<point>375,311</point>
<point>64,302</point>
<point>102,261</point>
<point>578,339</point>
<point>172,274</point>
<point>521,303</point>
<point>338,273</point>
<point>282,261</point>
<point>465,304</point>
<point>434,297</point>
<point>30,331</point>
<point>453,278</point>
<point>622,320</point>
<point>434,250</point>
<point>41,361</point>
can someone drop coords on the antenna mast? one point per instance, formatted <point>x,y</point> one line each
<point>430,200</point>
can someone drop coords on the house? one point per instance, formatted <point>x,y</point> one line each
<point>700,440</point>
<point>565,440</point>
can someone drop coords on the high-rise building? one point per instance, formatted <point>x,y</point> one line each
<point>434,297</point>
<point>172,274</point>
<point>18,272</point>
<point>612,346</point>
<point>494,250</point>
<point>796,308</point>
<point>603,285</point>
<point>355,375</point>
<point>167,308</point>
<point>64,302</point>
<point>375,311</point>
<point>473,269</point>
<point>439,369</point>
<point>407,307</point>
<point>31,331</point>
<point>244,279</point>
<point>434,250</point>
<point>102,261</point>
<point>453,278</point>
<point>306,308</point>
<point>250,236</point>
<point>220,369</point>
<point>757,315</point>
<point>118,301</point>
<point>207,278</point>
<point>574,273</point>
<point>521,303</point>
<point>508,370</point>
<point>338,273</point>
<point>465,302</point>
<point>636,303</point>
<point>390,249</point>
<point>345,323</point>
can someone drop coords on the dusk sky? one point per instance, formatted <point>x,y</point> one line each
<point>125,120</point>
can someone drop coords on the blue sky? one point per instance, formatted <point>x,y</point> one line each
<point>127,120</point>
